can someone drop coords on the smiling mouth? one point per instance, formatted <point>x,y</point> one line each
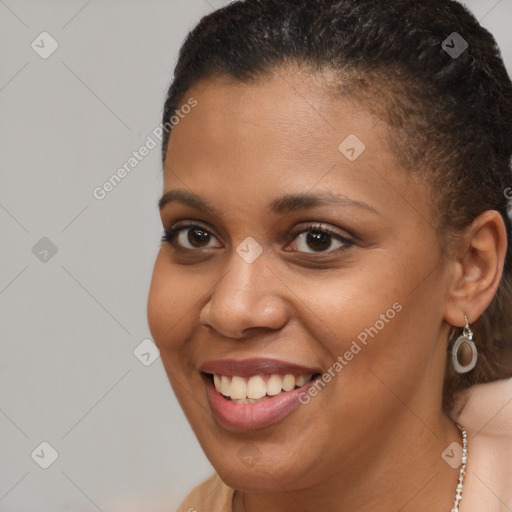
<point>249,394</point>
<point>257,388</point>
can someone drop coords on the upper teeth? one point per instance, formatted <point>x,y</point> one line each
<point>257,386</point>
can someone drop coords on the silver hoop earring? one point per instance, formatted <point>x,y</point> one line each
<point>466,340</point>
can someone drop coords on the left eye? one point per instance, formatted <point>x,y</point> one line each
<point>319,240</point>
<point>190,237</point>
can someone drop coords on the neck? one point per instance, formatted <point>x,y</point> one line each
<point>400,469</point>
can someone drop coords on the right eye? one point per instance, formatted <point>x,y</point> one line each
<point>190,237</point>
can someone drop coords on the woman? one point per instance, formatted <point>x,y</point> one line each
<point>335,273</point>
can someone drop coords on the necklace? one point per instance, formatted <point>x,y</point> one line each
<point>462,472</point>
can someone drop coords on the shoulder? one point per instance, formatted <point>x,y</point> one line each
<point>212,495</point>
<point>485,411</point>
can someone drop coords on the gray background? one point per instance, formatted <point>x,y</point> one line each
<point>70,321</point>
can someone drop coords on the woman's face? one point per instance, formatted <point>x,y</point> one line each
<point>300,248</point>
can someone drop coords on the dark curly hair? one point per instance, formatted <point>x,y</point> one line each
<point>450,115</point>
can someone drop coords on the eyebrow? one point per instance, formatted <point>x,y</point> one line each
<point>286,204</point>
<point>188,199</point>
<point>294,202</point>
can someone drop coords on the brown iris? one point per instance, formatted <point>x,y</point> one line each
<point>198,237</point>
<point>318,241</point>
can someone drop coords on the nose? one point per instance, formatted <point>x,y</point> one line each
<point>247,297</point>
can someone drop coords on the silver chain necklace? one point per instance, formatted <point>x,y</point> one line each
<point>462,472</point>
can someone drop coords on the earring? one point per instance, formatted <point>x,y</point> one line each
<point>466,340</point>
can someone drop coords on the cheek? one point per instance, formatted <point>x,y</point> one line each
<point>354,305</point>
<point>367,323</point>
<point>173,300</point>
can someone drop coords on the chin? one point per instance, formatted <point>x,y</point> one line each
<point>263,475</point>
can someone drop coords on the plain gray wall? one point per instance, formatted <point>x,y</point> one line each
<point>70,321</point>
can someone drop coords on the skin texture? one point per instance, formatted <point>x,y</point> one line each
<point>373,438</point>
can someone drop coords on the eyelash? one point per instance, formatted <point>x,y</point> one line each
<point>324,229</point>
<point>170,235</point>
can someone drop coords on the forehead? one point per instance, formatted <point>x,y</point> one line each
<point>289,117</point>
<point>286,133</point>
<point>295,111</point>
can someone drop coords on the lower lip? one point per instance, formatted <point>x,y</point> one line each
<point>236,416</point>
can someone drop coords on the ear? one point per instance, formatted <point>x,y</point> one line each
<point>477,268</point>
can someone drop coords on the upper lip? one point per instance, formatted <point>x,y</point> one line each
<point>249,367</point>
